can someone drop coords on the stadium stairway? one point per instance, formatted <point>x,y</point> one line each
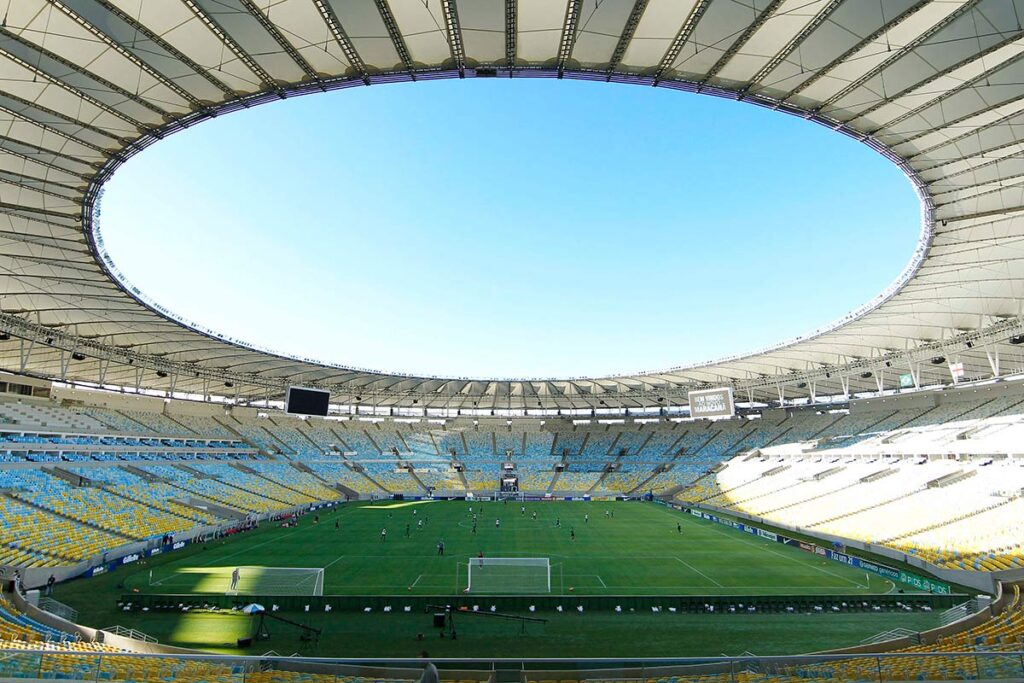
<point>226,423</point>
<point>184,427</point>
<point>366,475</point>
<point>764,494</point>
<point>336,485</point>
<point>857,511</point>
<point>641,487</point>
<point>303,467</point>
<point>143,474</point>
<point>148,504</point>
<point>278,443</point>
<point>559,449</point>
<point>722,493</point>
<point>295,428</point>
<point>261,476</point>
<point>617,462</point>
<point>802,501</point>
<point>704,443</point>
<point>944,522</point>
<point>273,498</point>
<point>14,495</point>
<point>597,484</point>
<point>113,424</point>
<point>778,438</point>
<point>419,482</point>
<point>373,441</point>
<point>223,507</point>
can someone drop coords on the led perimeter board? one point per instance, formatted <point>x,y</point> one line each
<point>712,403</point>
<point>303,401</point>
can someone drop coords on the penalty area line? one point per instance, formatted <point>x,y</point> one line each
<point>334,562</point>
<point>690,566</point>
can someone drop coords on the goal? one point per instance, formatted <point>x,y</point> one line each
<point>276,581</point>
<point>513,575</point>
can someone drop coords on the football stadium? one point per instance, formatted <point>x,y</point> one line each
<point>177,505</point>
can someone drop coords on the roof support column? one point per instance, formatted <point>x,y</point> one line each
<point>24,352</point>
<point>104,366</point>
<point>844,380</point>
<point>993,360</point>
<point>951,366</point>
<point>65,361</point>
<point>915,373</point>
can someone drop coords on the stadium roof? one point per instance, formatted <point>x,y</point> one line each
<point>936,86</point>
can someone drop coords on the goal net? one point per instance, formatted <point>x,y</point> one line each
<point>276,581</point>
<point>508,575</point>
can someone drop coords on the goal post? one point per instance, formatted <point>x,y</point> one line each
<point>276,581</point>
<point>512,575</point>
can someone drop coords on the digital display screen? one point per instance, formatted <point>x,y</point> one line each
<point>712,403</point>
<point>301,401</point>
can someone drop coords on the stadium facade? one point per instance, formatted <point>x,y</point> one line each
<point>933,86</point>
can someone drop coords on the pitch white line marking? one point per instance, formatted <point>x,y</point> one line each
<point>603,584</point>
<point>416,581</point>
<point>690,566</point>
<point>248,548</point>
<point>711,527</point>
<point>793,559</point>
<point>334,562</point>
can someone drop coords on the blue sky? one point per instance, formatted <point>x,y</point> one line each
<point>510,228</point>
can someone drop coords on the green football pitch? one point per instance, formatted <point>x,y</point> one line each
<point>644,549</point>
<point>591,548</point>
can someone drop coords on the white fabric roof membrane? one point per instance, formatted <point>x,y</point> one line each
<point>937,86</point>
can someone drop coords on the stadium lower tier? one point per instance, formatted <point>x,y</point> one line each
<point>680,550</point>
<point>596,549</point>
<point>988,650</point>
<point>965,514</point>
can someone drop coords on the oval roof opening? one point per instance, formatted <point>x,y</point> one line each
<point>512,228</point>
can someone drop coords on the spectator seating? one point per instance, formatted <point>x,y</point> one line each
<point>335,472</point>
<point>901,502</point>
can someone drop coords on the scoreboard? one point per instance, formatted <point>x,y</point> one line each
<point>306,401</point>
<point>712,403</point>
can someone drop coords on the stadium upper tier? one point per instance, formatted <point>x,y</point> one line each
<point>933,86</point>
<point>76,480</point>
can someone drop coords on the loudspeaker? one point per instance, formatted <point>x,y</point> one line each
<point>245,642</point>
<point>438,619</point>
